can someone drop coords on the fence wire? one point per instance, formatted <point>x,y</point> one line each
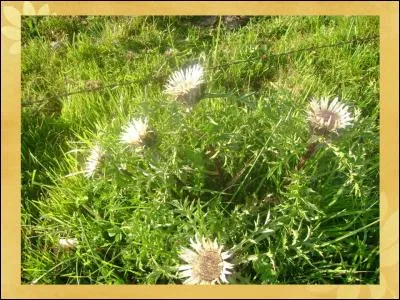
<point>113,85</point>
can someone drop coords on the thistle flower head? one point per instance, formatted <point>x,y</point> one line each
<point>135,132</point>
<point>93,161</point>
<point>68,243</point>
<point>185,84</point>
<point>207,264</point>
<point>326,117</point>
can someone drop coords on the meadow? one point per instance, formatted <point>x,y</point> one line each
<point>241,165</point>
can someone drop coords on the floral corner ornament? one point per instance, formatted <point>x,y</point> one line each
<point>13,16</point>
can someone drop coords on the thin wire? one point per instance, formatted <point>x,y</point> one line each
<point>367,39</point>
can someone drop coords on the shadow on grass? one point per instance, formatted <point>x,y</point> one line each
<point>43,139</point>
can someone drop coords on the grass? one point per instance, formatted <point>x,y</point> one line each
<point>220,171</point>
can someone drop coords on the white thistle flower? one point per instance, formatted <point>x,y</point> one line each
<point>93,161</point>
<point>185,84</point>
<point>68,243</point>
<point>207,264</point>
<point>135,132</point>
<point>325,117</point>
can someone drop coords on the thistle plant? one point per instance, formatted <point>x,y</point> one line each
<point>93,161</point>
<point>325,118</point>
<point>207,264</point>
<point>214,200</point>
<point>135,133</point>
<point>186,85</point>
<point>68,243</point>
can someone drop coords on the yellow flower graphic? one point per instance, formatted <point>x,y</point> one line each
<point>13,16</point>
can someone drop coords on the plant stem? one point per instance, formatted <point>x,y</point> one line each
<point>310,152</point>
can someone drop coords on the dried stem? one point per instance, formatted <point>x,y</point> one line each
<point>310,152</point>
